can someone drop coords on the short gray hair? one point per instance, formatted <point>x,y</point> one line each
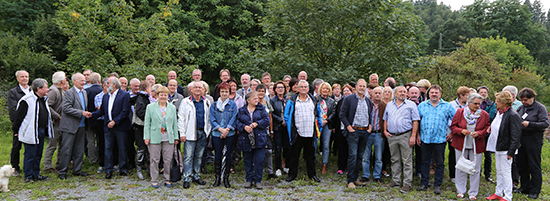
<point>73,77</point>
<point>116,82</point>
<point>58,76</point>
<point>134,80</point>
<point>104,81</point>
<point>38,83</point>
<point>473,96</point>
<point>317,82</point>
<point>512,89</point>
<point>155,87</point>
<point>95,78</point>
<point>287,76</point>
<point>302,81</point>
<point>246,75</point>
<point>19,71</point>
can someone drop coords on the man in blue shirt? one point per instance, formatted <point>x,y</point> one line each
<point>435,115</point>
<point>401,121</point>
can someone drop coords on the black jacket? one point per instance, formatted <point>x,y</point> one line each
<point>537,115</point>
<point>509,132</point>
<point>278,113</point>
<point>331,105</point>
<point>142,100</point>
<point>13,97</point>
<point>347,112</point>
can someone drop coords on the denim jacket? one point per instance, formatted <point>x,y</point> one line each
<point>225,119</point>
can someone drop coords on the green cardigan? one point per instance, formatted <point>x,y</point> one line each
<point>153,123</point>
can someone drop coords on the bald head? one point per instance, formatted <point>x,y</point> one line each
<point>172,86</point>
<point>150,79</point>
<point>302,75</point>
<point>172,75</point>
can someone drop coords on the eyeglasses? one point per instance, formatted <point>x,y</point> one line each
<point>476,103</point>
<point>304,86</point>
<point>280,87</point>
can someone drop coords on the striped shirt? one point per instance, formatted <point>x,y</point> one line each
<point>400,118</point>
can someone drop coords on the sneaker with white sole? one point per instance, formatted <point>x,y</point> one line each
<point>100,170</point>
<point>286,170</point>
<point>278,173</point>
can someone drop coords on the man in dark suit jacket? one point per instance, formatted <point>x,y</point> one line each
<point>73,126</point>
<point>115,108</point>
<point>355,115</point>
<point>13,97</point>
<point>92,91</point>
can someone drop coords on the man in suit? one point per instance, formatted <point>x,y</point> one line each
<point>73,126</point>
<point>55,101</point>
<point>92,91</point>
<point>115,109</point>
<point>13,97</point>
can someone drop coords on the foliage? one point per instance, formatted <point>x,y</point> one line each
<point>452,33</point>
<point>512,55</point>
<point>522,77</point>
<point>18,16</point>
<point>15,54</point>
<point>116,42</point>
<point>434,16</point>
<point>221,29</point>
<point>47,38</point>
<point>337,40</point>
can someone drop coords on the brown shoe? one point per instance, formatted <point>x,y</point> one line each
<point>324,169</point>
<point>351,185</point>
<point>392,184</point>
<point>50,170</point>
<point>359,183</point>
<point>405,188</point>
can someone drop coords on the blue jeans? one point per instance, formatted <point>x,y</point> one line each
<point>357,142</point>
<point>376,140</point>
<point>438,151</point>
<point>254,165</point>
<point>192,157</point>
<point>33,155</point>
<point>325,142</point>
<point>121,146</point>
<point>218,147</point>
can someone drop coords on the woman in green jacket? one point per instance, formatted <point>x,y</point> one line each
<point>160,134</point>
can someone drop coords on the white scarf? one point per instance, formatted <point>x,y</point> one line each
<point>221,104</point>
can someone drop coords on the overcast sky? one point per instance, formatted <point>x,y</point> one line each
<point>456,4</point>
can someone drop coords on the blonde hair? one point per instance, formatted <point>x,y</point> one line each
<point>505,97</point>
<point>388,88</point>
<point>321,87</point>
<point>163,89</point>
<point>424,83</point>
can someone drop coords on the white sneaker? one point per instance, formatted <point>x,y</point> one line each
<point>453,180</point>
<point>278,173</point>
<point>286,170</point>
<point>100,170</point>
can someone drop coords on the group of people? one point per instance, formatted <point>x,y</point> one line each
<point>140,124</point>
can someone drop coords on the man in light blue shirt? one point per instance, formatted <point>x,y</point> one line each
<point>401,122</point>
<point>435,115</point>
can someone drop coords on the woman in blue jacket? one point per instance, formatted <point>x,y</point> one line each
<point>252,121</point>
<point>223,113</point>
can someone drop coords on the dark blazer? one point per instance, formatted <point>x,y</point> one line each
<point>259,116</point>
<point>92,92</point>
<point>509,132</point>
<point>347,112</point>
<point>459,123</point>
<point>120,112</point>
<point>13,97</point>
<point>278,112</point>
<point>72,110</point>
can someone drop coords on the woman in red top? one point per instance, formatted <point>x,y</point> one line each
<point>469,125</point>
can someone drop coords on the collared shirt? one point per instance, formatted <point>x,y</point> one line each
<point>361,118</point>
<point>111,102</point>
<point>83,104</point>
<point>26,91</point>
<point>199,111</point>
<point>434,123</point>
<point>457,104</point>
<point>171,97</point>
<point>400,118</point>
<point>98,99</point>
<point>246,90</point>
<point>375,117</point>
<point>87,86</point>
<point>304,117</point>
<point>516,104</point>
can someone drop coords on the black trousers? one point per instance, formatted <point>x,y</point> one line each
<point>305,143</point>
<point>15,153</point>
<point>451,160</point>
<point>487,161</point>
<point>131,149</point>
<point>417,159</point>
<point>342,150</point>
<point>386,156</point>
<point>100,138</point>
<point>529,160</point>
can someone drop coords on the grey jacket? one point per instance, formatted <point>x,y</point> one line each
<point>55,101</point>
<point>72,111</point>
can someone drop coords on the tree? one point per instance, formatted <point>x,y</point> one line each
<point>19,16</point>
<point>106,38</point>
<point>337,40</point>
<point>535,8</point>
<point>47,38</point>
<point>452,33</point>
<point>434,16</point>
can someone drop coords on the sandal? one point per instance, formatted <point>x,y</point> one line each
<point>460,195</point>
<point>473,197</point>
<point>155,185</point>
<point>168,184</point>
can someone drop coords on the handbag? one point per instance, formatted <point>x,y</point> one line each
<point>465,165</point>
<point>177,165</point>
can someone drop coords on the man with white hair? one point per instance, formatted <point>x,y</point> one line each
<point>303,76</point>
<point>55,101</point>
<point>73,126</point>
<point>197,76</point>
<point>245,82</point>
<point>115,109</point>
<point>134,86</point>
<point>13,98</point>
<point>373,78</point>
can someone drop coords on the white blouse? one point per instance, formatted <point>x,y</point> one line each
<point>495,128</point>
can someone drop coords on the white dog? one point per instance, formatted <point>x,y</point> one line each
<point>5,172</point>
